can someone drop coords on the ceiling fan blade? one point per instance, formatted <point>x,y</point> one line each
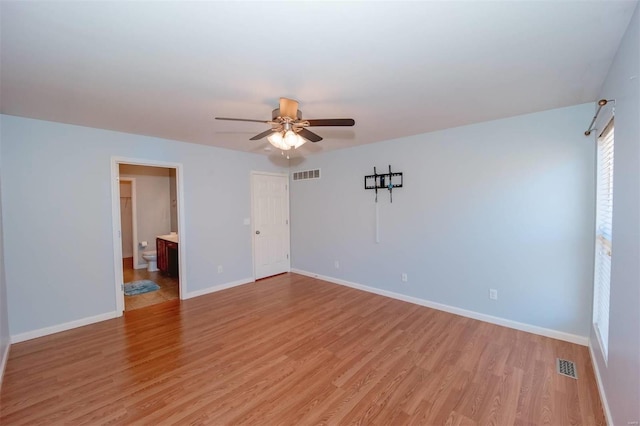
<point>331,122</point>
<point>262,135</point>
<point>241,119</point>
<point>288,108</point>
<point>309,135</point>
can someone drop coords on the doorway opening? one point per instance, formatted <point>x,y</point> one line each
<point>149,246</point>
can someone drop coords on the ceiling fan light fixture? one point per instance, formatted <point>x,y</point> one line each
<point>277,141</point>
<point>292,139</point>
<point>285,140</point>
<point>299,141</point>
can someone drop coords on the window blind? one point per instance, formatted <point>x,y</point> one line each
<point>604,216</point>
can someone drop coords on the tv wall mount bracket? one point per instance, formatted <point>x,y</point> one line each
<point>383,181</point>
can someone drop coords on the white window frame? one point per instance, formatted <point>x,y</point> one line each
<point>604,240</point>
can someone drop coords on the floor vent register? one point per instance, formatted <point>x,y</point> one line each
<point>567,368</point>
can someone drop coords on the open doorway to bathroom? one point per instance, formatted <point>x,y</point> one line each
<point>148,234</point>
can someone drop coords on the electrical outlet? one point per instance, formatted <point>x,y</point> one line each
<point>404,277</point>
<point>493,294</point>
<point>336,264</point>
<point>220,269</point>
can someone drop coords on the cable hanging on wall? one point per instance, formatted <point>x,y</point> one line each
<point>382,181</point>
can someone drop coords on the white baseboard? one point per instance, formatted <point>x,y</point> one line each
<point>603,396</point>
<point>555,334</point>
<point>17,338</point>
<point>3,361</point>
<point>140,266</point>
<point>109,315</point>
<point>219,287</point>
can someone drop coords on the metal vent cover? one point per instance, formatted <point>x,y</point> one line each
<point>307,174</point>
<point>566,368</point>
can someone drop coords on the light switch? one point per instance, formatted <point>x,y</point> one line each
<point>247,221</point>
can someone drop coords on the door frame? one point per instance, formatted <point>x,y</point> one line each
<point>253,221</point>
<point>115,216</point>
<point>134,220</point>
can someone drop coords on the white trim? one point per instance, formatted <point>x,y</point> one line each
<point>117,244</point>
<point>215,288</point>
<point>3,361</point>
<point>182,245</point>
<point>603,396</point>
<point>555,334</point>
<point>253,219</point>
<point>605,354</point>
<point>115,203</point>
<point>17,338</point>
<point>258,172</point>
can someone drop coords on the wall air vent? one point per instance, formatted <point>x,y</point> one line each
<point>566,368</point>
<point>307,174</point>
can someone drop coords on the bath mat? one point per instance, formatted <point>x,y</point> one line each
<point>139,287</point>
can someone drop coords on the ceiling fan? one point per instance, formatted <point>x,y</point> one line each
<point>288,128</point>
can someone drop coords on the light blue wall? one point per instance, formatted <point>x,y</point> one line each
<point>58,226</point>
<point>4,313</point>
<point>506,204</point>
<point>621,378</point>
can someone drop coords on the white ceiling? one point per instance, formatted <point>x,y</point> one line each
<point>167,68</point>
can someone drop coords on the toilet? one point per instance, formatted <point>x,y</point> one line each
<point>152,260</point>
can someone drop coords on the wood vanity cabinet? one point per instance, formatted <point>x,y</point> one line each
<point>167,257</point>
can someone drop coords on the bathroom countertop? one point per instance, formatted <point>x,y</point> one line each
<point>170,237</point>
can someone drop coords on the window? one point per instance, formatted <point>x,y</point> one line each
<point>604,216</point>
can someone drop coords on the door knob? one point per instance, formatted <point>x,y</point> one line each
<point>257,232</point>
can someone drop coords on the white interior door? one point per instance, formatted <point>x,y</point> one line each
<point>270,210</point>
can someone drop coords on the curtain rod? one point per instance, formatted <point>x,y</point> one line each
<point>601,103</point>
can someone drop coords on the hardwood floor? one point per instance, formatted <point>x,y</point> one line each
<point>169,286</point>
<point>295,350</point>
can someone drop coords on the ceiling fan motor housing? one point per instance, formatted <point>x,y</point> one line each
<point>276,113</point>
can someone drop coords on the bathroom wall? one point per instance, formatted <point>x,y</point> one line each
<point>173,195</point>
<point>56,199</point>
<point>126,218</point>
<point>152,204</point>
